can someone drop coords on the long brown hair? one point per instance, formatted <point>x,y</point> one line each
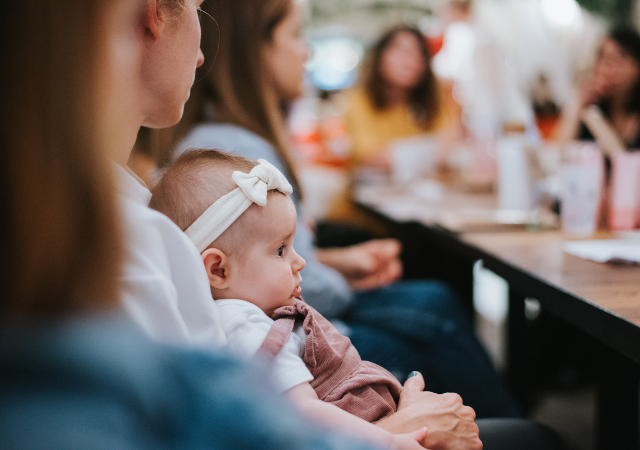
<point>629,40</point>
<point>59,241</point>
<point>424,98</point>
<point>233,79</point>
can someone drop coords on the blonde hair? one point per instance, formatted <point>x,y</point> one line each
<point>59,240</point>
<point>193,182</point>
<point>175,7</point>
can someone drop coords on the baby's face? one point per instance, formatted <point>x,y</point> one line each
<point>267,274</point>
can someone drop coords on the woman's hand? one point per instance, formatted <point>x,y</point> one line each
<point>369,265</point>
<point>451,424</point>
<point>587,93</point>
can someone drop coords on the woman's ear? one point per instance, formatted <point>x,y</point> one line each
<point>152,21</point>
<point>216,263</point>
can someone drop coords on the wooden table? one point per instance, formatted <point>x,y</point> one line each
<point>599,299</point>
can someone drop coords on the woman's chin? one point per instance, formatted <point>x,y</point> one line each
<point>293,94</point>
<point>166,119</point>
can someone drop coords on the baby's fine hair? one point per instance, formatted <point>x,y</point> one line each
<point>194,181</point>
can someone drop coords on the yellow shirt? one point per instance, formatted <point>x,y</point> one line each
<point>371,130</point>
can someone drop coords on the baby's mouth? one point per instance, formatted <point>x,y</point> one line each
<point>297,291</point>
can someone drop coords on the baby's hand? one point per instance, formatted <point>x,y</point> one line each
<point>409,441</point>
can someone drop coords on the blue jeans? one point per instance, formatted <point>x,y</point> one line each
<point>420,325</point>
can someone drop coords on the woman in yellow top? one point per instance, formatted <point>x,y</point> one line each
<point>398,97</point>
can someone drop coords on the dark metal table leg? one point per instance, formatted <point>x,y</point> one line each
<point>516,344</point>
<point>617,404</point>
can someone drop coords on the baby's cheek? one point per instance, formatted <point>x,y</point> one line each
<point>279,289</point>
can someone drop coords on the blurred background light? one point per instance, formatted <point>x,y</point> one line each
<point>334,62</point>
<point>344,58</point>
<point>562,13</point>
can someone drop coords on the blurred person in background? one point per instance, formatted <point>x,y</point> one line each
<point>74,373</point>
<point>398,97</point>
<point>400,325</point>
<point>614,87</point>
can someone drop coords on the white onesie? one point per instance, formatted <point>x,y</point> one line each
<point>246,326</point>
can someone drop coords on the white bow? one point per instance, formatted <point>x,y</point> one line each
<point>262,179</point>
<point>252,188</point>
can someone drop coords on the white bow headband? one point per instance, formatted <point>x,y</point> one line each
<point>252,188</point>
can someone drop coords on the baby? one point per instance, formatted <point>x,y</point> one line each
<point>239,215</point>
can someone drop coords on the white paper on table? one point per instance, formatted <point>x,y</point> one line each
<point>606,250</point>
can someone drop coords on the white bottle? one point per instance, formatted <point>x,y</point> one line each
<point>516,184</point>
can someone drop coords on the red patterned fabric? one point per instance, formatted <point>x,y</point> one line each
<point>340,377</point>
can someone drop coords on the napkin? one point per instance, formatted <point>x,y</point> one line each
<point>620,251</point>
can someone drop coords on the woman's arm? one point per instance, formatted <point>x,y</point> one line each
<point>569,125</point>
<point>369,265</point>
<point>305,398</point>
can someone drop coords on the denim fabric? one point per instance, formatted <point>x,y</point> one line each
<point>420,325</point>
<point>99,384</point>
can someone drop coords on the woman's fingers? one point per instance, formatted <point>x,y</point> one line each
<point>385,249</point>
<point>415,383</point>
<point>394,270</point>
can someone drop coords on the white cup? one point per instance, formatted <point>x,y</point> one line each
<point>580,198</point>
<point>582,184</point>
<point>413,158</point>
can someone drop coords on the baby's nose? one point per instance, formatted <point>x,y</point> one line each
<point>298,263</point>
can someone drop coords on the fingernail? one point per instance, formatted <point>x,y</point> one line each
<point>412,374</point>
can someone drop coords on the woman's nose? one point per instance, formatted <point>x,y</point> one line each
<point>305,51</point>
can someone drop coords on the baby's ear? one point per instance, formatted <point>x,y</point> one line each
<point>216,264</point>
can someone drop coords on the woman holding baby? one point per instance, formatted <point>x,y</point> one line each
<point>66,356</point>
<point>78,79</point>
<point>74,372</point>
<point>166,288</point>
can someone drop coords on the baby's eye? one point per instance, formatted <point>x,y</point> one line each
<point>280,252</point>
